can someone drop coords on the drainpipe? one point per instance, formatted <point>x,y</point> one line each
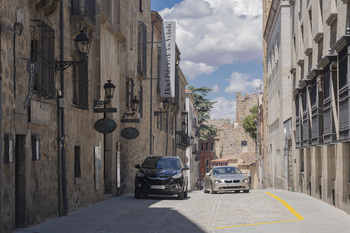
<point>0,129</point>
<point>0,136</point>
<point>151,94</point>
<point>61,130</point>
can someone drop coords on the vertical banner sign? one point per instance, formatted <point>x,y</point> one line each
<point>167,70</point>
<point>32,68</point>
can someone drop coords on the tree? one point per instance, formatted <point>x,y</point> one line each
<point>203,106</point>
<point>249,123</point>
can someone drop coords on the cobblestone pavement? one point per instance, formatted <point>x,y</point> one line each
<point>257,211</point>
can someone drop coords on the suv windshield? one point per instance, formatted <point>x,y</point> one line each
<point>162,163</point>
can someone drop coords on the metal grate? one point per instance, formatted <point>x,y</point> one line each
<point>42,50</point>
<point>142,50</point>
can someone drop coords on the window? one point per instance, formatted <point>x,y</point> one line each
<point>206,165</point>
<point>244,143</point>
<point>131,42</point>
<point>202,146</point>
<point>81,84</point>
<point>142,50</point>
<point>211,146</point>
<point>140,6</point>
<point>301,161</point>
<point>206,146</point>
<point>77,171</point>
<point>42,51</point>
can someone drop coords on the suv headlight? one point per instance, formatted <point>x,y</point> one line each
<point>177,176</point>
<point>217,181</point>
<point>245,180</point>
<point>140,174</point>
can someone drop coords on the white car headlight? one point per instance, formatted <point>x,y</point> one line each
<point>217,181</point>
<point>177,176</point>
<point>245,181</point>
<point>140,174</point>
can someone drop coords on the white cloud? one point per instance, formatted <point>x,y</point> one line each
<point>215,89</point>
<point>241,82</point>
<point>217,32</point>
<point>191,69</point>
<point>224,109</point>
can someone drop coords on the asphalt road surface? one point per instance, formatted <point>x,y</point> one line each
<point>257,211</point>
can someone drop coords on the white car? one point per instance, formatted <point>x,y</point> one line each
<point>226,178</point>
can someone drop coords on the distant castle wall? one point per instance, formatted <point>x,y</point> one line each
<point>232,137</point>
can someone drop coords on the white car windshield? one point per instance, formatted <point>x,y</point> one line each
<point>226,170</point>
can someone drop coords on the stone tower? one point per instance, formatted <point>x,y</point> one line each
<point>243,104</point>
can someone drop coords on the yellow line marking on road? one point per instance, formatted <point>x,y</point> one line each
<point>296,214</point>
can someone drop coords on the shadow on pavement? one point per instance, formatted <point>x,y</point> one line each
<point>122,214</point>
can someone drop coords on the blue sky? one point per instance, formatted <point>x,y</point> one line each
<point>221,47</point>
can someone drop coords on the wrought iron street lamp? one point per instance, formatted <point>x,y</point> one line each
<point>109,91</point>
<point>191,140</point>
<point>166,105</point>
<point>82,45</point>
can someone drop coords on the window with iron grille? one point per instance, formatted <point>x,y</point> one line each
<point>142,50</point>
<point>85,8</point>
<point>42,50</point>
<point>81,84</point>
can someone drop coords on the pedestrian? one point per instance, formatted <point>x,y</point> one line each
<point>197,185</point>
<point>201,184</point>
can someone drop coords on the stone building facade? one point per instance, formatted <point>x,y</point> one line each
<point>319,132</point>
<point>277,37</point>
<point>56,158</point>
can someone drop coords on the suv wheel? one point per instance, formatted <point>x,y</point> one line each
<point>185,192</point>
<point>137,193</point>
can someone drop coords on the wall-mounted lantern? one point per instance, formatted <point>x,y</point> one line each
<point>82,45</point>
<point>109,90</point>
<point>99,105</point>
<point>191,140</point>
<point>166,105</point>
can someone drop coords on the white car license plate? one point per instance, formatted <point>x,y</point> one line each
<point>157,186</point>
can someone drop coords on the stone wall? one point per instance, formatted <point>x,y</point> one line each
<point>232,134</point>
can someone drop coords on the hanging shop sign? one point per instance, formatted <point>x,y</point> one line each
<point>32,69</point>
<point>130,133</point>
<point>167,66</point>
<point>105,125</point>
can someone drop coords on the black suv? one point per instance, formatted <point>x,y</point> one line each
<point>162,175</point>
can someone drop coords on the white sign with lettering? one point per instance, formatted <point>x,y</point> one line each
<point>167,71</point>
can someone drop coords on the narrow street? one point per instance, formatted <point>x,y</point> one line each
<point>257,211</point>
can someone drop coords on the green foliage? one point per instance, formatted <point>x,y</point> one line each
<point>249,123</point>
<point>203,106</point>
